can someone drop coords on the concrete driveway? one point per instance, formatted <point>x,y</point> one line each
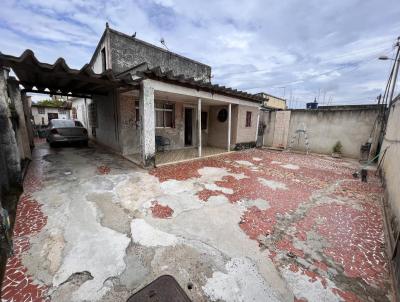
<point>254,225</point>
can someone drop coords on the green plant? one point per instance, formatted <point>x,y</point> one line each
<point>337,148</point>
<point>50,103</point>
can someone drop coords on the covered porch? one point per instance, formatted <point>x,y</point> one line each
<point>173,122</point>
<point>185,128</point>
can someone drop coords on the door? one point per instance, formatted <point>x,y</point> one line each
<point>51,116</point>
<point>188,126</point>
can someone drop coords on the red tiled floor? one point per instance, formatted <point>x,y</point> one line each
<point>17,284</point>
<point>321,199</point>
<point>322,225</point>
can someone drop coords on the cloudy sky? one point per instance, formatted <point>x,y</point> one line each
<point>300,49</point>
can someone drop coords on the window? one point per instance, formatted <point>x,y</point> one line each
<point>248,119</point>
<point>165,115</point>
<point>222,115</point>
<point>78,124</point>
<point>62,111</point>
<point>204,120</point>
<point>103,59</point>
<point>41,110</point>
<point>74,113</point>
<point>42,120</point>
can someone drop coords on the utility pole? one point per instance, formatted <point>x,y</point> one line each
<point>396,71</point>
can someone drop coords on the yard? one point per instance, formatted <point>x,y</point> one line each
<point>254,225</point>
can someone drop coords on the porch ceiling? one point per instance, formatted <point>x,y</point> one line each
<point>175,97</point>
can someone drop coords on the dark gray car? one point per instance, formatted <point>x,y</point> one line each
<point>66,131</point>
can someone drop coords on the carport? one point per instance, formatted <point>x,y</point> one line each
<point>58,78</point>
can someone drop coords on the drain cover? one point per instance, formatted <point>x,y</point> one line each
<point>163,289</point>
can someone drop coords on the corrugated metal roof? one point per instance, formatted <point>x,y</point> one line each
<point>58,77</point>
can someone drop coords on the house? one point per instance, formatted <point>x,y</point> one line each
<point>170,107</point>
<point>42,114</point>
<point>272,102</point>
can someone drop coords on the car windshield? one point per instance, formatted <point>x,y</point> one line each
<point>62,123</point>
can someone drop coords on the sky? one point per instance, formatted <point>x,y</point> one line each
<point>296,49</point>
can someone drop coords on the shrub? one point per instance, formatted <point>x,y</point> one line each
<point>337,148</point>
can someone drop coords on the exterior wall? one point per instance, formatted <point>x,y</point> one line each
<point>176,135</point>
<point>269,118</point>
<point>281,131</point>
<point>97,64</point>
<point>81,107</point>
<point>37,117</point>
<point>129,129</point>
<point>325,127</point>
<point>22,135</point>
<point>107,132</point>
<point>9,152</point>
<point>246,134</point>
<point>273,102</point>
<point>218,133</point>
<point>127,52</point>
<point>391,163</point>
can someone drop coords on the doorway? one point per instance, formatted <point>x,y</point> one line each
<point>188,126</point>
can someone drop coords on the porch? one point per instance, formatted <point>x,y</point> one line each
<point>164,123</point>
<point>179,155</point>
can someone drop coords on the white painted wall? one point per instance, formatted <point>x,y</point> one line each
<point>81,107</point>
<point>37,117</point>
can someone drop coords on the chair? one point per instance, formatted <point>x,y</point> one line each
<point>161,142</point>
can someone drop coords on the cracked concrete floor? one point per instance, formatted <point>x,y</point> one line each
<point>254,225</point>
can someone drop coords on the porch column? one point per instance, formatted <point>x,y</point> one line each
<point>257,125</point>
<point>229,126</point>
<point>199,124</point>
<point>146,109</point>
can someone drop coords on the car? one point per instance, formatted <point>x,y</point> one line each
<point>66,131</point>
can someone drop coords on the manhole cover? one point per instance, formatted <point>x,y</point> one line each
<point>163,289</point>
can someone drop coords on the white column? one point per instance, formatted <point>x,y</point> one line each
<point>258,122</point>
<point>146,109</point>
<point>229,126</point>
<point>199,125</point>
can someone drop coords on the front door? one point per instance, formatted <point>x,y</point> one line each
<point>51,116</point>
<point>188,126</point>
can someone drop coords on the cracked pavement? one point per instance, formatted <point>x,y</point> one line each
<point>254,225</point>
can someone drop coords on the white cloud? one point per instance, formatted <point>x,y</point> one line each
<point>256,45</point>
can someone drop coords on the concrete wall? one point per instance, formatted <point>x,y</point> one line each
<point>22,135</point>
<point>81,108</point>
<point>107,130</point>
<point>9,152</point>
<point>129,129</point>
<point>37,117</point>
<point>273,101</point>
<point>390,167</point>
<point>325,127</point>
<point>127,52</point>
<point>391,162</point>
<point>269,121</point>
<point>246,134</point>
<point>218,133</point>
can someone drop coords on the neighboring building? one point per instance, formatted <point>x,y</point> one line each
<point>79,110</point>
<point>272,102</point>
<point>43,114</point>
<point>169,100</point>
